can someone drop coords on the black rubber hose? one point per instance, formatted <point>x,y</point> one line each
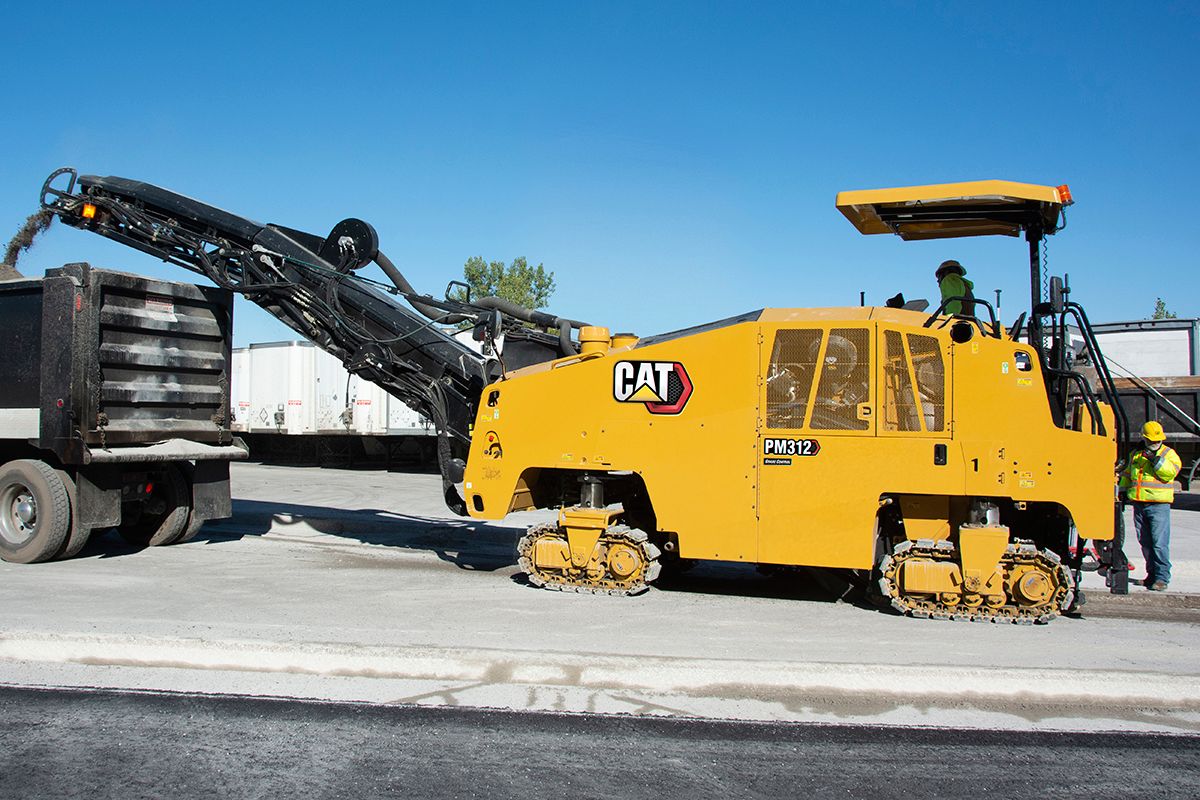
<point>528,314</point>
<point>565,346</point>
<point>498,303</point>
<point>401,283</point>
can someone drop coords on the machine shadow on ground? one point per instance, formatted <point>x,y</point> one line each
<point>469,544</point>
<point>484,547</point>
<point>1186,501</point>
<point>748,580</point>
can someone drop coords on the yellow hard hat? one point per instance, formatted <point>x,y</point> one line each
<point>1152,431</point>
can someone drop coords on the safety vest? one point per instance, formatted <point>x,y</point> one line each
<point>953,285</point>
<point>1149,475</point>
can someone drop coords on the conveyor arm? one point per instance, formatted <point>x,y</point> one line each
<point>308,282</point>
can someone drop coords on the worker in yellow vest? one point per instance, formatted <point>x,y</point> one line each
<point>1147,483</point>
<point>952,282</point>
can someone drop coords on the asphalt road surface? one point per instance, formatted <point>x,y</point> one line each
<point>106,744</point>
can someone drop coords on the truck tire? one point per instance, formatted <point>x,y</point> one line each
<point>189,532</point>
<point>77,537</point>
<point>193,525</point>
<point>165,525</point>
<point>35,512</point>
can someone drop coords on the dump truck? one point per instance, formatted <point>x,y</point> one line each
<point>114,411</point>
<point>957,465</point>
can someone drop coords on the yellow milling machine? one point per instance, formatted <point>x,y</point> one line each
<point>941,454</point>
<point>954,467</point>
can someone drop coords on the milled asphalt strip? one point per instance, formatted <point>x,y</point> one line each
<point>527,680</point>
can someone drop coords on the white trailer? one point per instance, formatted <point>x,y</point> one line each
<point>1156,348</point>
<point>283,392</point>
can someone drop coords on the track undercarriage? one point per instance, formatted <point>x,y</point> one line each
<point>925,578</point>
<point>567,556</point>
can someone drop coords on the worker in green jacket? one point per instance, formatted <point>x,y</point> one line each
<point>1147,483</point>
<point>952,280</point>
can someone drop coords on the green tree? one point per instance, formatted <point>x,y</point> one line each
<point>518,282</point>
<point>1160,310</point>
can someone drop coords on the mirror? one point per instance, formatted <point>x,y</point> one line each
<point>1057,300</point>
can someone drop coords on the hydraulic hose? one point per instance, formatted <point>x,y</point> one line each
<point>565,346</point>
<point>516,310</point>
<point>401,283</point>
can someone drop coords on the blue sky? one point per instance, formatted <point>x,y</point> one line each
<point>671,163</point>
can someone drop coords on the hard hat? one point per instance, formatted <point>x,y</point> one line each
<point>1152,431</point>
<point>947,267</point>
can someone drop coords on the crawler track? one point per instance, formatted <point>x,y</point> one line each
<point>604,574</point>
<point>1017,558</point>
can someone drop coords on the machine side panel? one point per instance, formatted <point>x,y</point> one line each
<point>695,453</point>
<point>1010,445</point>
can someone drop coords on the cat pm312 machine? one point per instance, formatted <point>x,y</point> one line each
<point>951,461</point>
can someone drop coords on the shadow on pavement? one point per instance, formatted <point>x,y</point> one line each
<point>746,580</point>
<point>1186,501</point>
<point>468,544</point>
<point>484,547</point>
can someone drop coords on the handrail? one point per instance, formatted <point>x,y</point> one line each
<point>1015,333</point>
<point>995,333</point>
<point>1088,396</point>
<point>1105,376</point>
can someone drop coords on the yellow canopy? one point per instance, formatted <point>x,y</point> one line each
<point>949,210</point>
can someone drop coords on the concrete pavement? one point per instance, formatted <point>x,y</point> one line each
<point>358,586</point>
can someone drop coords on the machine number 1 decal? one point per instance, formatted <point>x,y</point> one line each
<point>662,386</point>
<point>778,452</point>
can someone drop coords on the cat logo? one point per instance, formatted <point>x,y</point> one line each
<point>662,386</point>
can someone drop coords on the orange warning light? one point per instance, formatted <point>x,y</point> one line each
<point>89,211</point>
<point>1064,195</point>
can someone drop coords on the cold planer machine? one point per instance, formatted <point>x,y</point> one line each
<point>940,455</point>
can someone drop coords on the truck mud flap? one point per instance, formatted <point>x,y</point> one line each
<point>99,492</point>
<point>210,491</point>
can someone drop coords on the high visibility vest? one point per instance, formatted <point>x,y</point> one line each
<point>1149,475</point>
<point>952,285</point>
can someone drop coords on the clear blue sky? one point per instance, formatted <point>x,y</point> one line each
<point>671,163</point>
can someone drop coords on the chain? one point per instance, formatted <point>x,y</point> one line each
<point>101,417</point>
<point>222,416</point>
<point>1045,276</point>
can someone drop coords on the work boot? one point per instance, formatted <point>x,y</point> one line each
<point>1158,586</point>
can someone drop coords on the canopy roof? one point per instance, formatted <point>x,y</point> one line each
<point>949,210</point>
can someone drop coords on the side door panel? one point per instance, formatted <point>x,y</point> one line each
<point>816,432</point>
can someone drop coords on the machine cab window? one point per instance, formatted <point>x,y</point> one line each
<point>820,380</point>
